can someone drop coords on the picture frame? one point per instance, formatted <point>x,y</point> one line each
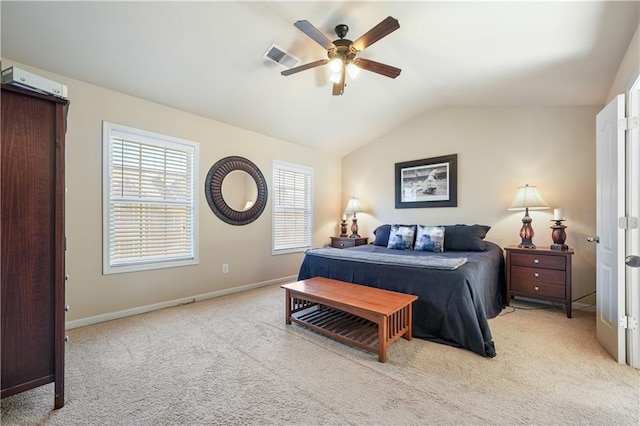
<point>430,182</point>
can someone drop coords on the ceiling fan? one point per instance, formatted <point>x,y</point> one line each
<point>342,53</point>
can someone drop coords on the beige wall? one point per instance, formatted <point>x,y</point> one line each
<point>499,149</point>
<point>247,249</point>
<point>629,68</point>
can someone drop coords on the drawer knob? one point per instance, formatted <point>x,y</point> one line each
<point>536,261</point>
<point>536,288</point>
<point>535,274</point>
<point>341,244</point>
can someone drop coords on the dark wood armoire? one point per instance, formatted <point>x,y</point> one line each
<point>32,254</point>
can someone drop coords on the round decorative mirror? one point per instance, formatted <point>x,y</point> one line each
<point>236,190</point>
<point>239,190</point>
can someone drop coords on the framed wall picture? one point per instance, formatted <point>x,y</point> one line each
<point>431,182</point>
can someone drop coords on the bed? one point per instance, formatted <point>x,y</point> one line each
<point>458,290</point>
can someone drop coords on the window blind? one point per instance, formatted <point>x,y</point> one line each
<point>151,202</point>
<point>291,207</point>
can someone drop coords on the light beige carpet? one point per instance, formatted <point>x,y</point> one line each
<point>232,360</point>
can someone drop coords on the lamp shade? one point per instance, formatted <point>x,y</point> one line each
<point>353,206</point>
<point>528,197</point>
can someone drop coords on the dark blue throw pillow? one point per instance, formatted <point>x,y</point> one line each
<point>465,237</point>
<point>382,235</point>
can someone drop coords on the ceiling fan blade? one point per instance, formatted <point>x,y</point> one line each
<point>317,36</point>
<point>383,29</point>
<point>377,67</point>
<point>338,88</point>
<point>304,67</point>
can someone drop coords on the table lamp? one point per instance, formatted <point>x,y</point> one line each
<point>353,206</point>
<point>528,198</point>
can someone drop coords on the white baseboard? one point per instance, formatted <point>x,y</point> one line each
<point>583,307</point>
<point>148,308</point>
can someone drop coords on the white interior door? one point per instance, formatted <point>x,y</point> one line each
<point>610,204</point>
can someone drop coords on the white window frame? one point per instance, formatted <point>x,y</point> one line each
<point>111,131</point>
<point>306,242</point>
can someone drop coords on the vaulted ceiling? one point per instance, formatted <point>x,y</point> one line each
<point>207,58</point>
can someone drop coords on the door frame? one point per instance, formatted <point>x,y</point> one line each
<point>632,275</point>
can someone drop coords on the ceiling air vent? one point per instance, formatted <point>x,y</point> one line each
<point>280,56</point>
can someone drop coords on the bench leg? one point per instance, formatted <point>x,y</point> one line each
<point>287,309</point>
<point>409,319</point>
<point>382,338</point>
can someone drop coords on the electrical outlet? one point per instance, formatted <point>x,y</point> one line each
<point>225,268</point>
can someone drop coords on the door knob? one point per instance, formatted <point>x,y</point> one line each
<point>593,239</point>
<point>633,261</point>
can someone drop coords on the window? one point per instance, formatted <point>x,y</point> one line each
<point>149,203</point>
<point>291,207</point>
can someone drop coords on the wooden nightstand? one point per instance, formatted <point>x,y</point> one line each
<point>344,242</point>
<point>540,274</point>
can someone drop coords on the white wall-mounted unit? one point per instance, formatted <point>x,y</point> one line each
<point>22,78</point>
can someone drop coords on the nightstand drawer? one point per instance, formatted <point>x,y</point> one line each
<point>346,242</point>
<point>343,242</point>
<point>538,261</point>
<point>551,276</point>
<point>536,288</point>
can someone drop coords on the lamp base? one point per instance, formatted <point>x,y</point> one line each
<point>559,247</point>
<point>354,228</point>
<point>526,232</point>
<point>528,246</point>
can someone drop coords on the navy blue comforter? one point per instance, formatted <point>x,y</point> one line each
<point>452,306</point>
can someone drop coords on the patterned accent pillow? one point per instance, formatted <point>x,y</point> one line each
<point>401,237</point>
<point>430,238</point>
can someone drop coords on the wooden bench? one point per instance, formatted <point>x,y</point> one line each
<point>366,317</point>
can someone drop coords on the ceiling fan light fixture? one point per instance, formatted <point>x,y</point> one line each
<point>335,65</point>
<point>353,70</point>
<point>335,77</point>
